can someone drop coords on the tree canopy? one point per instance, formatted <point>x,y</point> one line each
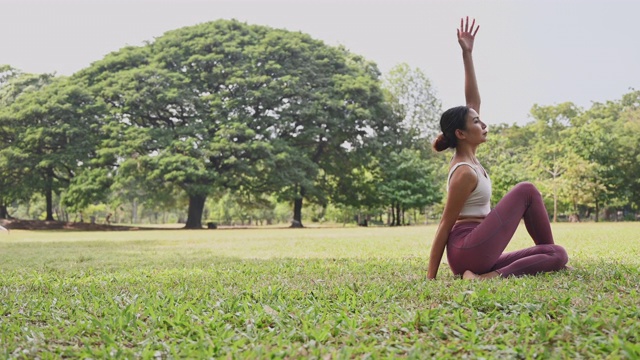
<point>226,105</point>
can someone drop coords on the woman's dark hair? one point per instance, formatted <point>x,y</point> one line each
<point>450,121</point>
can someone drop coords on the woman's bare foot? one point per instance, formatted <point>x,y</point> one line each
<point>470,275</point>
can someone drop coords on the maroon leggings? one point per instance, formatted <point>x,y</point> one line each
<point>478,246</point>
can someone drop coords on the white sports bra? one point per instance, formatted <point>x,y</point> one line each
<point>478,203</point>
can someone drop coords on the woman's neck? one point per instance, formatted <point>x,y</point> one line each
<point>466,153</point>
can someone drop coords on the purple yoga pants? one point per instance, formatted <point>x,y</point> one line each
<point>479,246</point>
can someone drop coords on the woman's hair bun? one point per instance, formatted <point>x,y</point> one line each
<point>441,143</point>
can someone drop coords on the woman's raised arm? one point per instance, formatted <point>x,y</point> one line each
<point>466,37</point>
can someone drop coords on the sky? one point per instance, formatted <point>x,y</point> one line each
<point>527,51</point>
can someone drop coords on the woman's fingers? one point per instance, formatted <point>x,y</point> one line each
<point>465,28</point>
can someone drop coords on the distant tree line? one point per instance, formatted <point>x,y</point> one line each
<point>244,124</point>
<point>585,162</point>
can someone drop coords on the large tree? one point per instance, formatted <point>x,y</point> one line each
<point>15,184</point>
<point>548,148</point>
<point>223,104</point>
<point>599,137</point>
<point>407,175</point>
<point>55,133</point>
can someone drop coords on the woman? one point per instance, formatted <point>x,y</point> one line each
<point>474,235</point>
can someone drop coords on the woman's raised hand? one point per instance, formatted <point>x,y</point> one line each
<point>466,34</point>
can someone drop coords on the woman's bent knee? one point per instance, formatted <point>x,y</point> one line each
<point>526,187</point>
<point>561,256</point>
<point>527,190</point>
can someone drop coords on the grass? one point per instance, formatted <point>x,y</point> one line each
<point>308,293</point>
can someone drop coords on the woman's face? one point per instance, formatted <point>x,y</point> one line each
<point>476,131</point>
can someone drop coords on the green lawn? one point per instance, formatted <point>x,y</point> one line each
<point>308,293</point>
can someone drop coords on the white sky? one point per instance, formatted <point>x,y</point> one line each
<point>527,51</point>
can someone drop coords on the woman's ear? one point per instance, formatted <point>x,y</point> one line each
<point>460,134</point>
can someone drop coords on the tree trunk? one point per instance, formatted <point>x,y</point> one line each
<point>297,210</point>
<point>49,200</point>
<point>196,207</point>
<point>297,213</point>
<point>398,215</point>
<point>3,210</point>
<point>48,193</point>
<point>597,211</point>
